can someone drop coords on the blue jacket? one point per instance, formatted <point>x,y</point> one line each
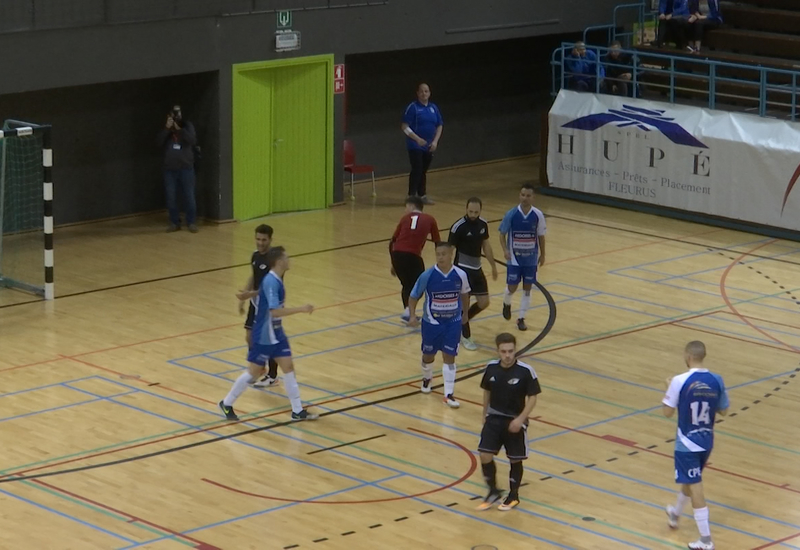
<point>714,13</point>
<point>583,68</point>
<point>678,8</point>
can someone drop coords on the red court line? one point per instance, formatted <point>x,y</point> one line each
<point>181,335</point>
<point>638,448</point>
<point>200,544</point>
<point>473,465</point>
<point>776,542</point>
<point>651,243</point>
<point>746,341</point>
<point>763,320</point>
<point>724,293</point>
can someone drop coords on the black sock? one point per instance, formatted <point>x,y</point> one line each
<point>514,479</point>
<point>273,369</point>
<point>474,309</point>
<point>490,475</point>
<point>466,332</point>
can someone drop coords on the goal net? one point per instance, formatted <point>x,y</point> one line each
<point>26,217</point>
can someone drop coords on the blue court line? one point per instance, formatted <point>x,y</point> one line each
<point>724,319</point>
<point>67,516</point>
<point>744,262</point>
<point>33,413</point>
<point>262,512</point>
<point>572,481</point>
<point>334,472</point>
<point>48,386</point>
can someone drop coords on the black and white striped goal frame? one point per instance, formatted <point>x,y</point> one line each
<point>27,129</point>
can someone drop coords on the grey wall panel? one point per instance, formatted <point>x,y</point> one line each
<point>16,15</point>
<point>68,13</point>
<point>121,11</point>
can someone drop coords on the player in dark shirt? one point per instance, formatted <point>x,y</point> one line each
<point>470,236</point>
<point>406,246</point>
<point>260,268</point>
<point>510,388</point>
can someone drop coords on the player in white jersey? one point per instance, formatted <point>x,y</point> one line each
<point>698,395</point>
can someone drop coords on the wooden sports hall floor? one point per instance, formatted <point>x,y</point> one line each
<point>112,437</point>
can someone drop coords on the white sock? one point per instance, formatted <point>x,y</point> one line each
<point>449,375</point>
<point>427,370</point>
<point>701,518</point>
<point>293,391</point>
<point>238,388</point>
<point>681,503</point>
<point>406,312</point>
<point>507,297</point>
<point>524,304</point>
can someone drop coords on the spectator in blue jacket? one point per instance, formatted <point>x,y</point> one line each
<point>673,21</point>
<point>583,70</point>
<point>422,125</point>
<point>706,15</point>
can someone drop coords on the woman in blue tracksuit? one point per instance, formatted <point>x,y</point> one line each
<point>705,15</point>
<point>422,125</point>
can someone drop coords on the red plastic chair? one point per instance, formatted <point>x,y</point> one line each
<point>352,168</point>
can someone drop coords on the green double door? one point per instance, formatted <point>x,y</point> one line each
<point>282,136</point>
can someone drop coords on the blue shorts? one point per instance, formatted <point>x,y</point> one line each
<point>689,466</point>
<point>260,354</point>
<point>524,273</point>
<point>445,338</point>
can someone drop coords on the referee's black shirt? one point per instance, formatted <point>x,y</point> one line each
<point>260,268</point>
<point>468,236</point>
<point>509,388</point>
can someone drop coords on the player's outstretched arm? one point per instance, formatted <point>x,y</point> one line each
<point>246,294</point>
<point>286,311</point>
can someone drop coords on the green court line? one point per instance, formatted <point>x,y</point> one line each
<point>467,366</point>
<point>107,513</point>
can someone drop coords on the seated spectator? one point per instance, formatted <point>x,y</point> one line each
<point>673,21</point>
<point>583,69</point>
<point>618,69</point>
<point>705,16</point>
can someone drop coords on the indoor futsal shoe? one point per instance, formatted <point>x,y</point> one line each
<point>521,325</point>
<point>304,415</point>
<point>700,545</point>
<point>227,411</point>
<point>493,496</point>
<point>265,382</point>
<point>507,312</point>
<point>672,517</point>
<point>451,402</point>
<point>426,385</point>
<point>509,503</point>
<point>468,344</point>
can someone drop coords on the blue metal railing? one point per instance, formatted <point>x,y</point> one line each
<point>768,91</point>
<point>613,32</point>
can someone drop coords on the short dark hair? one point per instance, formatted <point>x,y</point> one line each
<point>505,338</point>
<point>443,244</point>
<point>527,185</point>
<point>615,43</point>
<point>416,201</point>
<point>475,200</point>
<point>421,84</point>
<point>264,229</point>
<point>275,254</point>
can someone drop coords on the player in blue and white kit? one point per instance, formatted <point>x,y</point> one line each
<point>698,396</point>
<point>269,340</point>
<point>522,233</point>
<point>446,290</point>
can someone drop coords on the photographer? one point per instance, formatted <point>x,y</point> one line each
<point>178,140</point>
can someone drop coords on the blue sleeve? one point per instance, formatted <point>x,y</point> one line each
<point>573,66</point>
<point>724,403</point>
<point>409,116</point>
<point>273,288</point>
<point>505,225</point>
<point>439,120</point>
<point>421,285</point>
<point>662,7</point>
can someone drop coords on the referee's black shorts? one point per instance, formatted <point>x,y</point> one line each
<point>495,435</point>
<point>408,267</point>
<point>477,282</point>
<point>251,317</point>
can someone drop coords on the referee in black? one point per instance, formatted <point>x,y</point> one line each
<point>260,269</point>
<point>510,388</point>
<point>470,237</point>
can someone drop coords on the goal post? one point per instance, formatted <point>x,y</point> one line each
<point>26,208</point>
